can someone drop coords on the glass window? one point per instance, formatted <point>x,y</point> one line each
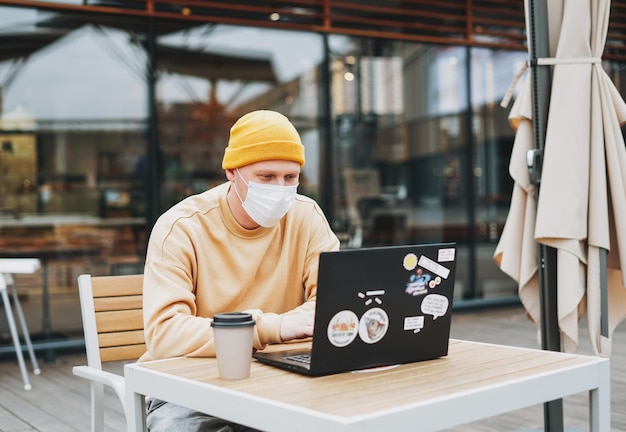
<point>212,75</point>
<point>492,73</point>
<point>415,148</point>
<point>72,131</point>
<point>413,163</point>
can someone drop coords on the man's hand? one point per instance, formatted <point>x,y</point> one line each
<point>297,326</point>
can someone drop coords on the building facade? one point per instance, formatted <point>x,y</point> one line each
<point>111,112</point>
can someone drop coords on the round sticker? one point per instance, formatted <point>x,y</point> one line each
<point>410,261</point>
<point>342,328</point>
<point>373,325</point>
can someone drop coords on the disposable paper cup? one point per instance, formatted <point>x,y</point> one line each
<point>233,334</point>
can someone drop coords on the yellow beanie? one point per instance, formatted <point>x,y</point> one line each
<point>261,136</point>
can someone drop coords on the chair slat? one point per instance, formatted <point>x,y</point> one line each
<point>128,352</point>
<point>119,321</point>
<point>110,286</point>
<point>103,304</point>
<point>134,337</point>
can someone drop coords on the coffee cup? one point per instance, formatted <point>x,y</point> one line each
<point>233,334</point>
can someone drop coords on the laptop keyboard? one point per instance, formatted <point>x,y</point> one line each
<point>300,358</point>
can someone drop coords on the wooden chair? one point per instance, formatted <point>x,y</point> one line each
<point>112,312</point>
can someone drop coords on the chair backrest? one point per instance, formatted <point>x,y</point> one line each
<point>112,312</point>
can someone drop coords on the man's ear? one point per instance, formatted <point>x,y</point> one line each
<point>230,174</point>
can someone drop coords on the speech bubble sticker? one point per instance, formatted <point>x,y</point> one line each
<point>435,305</point>
<point>415,323</point>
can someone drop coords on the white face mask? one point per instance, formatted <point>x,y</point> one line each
<point>266,204</point>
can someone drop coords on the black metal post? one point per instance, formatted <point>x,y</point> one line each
<point>153,179</point>
<point>327,169</point>
<point>470,183</point>
<point>539,47</point>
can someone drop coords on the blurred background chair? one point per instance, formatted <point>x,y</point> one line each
<point>8,267</point>
<point>387,229</point>
<point>361,185</point>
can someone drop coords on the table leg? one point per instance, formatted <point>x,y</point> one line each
<point>135,411</point>
<point>29,344</point>
<point>15,337</point>
<point>600,402</point>
<point>46,321</point>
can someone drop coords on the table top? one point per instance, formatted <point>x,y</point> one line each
<point>48,251</point>
<point>53,220</point>
<point>19,265</point>
<point>480,379</point>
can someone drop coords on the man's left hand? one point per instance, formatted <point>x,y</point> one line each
<point>297,326</point>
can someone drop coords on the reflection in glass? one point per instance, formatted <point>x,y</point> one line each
<point>413,164</point>
<point>232,70</point>
<point>417,149</point>
<point>72,128</point>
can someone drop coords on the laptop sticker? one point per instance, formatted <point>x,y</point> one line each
<point>434,267</point>
<point>417,283</point>
<point>433,283</point>
<point>410,261</point>
<point>435,305</point>
<point>342,329</point>
<point>373,325</point>
<point>415,323</point>
<point>372,293</point>
<point>445,255</point>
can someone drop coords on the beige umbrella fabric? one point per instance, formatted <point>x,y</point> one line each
<point>582,201</point>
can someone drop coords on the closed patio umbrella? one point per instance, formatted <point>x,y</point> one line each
<point>580,209</point>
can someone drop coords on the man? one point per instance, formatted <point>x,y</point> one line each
<point>251,244</point>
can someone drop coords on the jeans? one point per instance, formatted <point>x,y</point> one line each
<point>167,417</point>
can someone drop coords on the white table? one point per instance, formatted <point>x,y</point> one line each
<point>473,382</point>
<point>43,254</point>
<point>9,267</point>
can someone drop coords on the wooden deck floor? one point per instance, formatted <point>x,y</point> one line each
<point>60,402</point>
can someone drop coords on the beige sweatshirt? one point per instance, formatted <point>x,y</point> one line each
<point>200,262</point>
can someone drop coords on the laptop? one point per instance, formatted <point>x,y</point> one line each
<point>377,307</point>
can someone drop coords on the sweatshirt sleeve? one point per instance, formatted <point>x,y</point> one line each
<point>171,326</point>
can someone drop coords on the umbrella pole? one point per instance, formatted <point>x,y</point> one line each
<point>541,83</point>
<point>604,299</point>
<point>550,335</point>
